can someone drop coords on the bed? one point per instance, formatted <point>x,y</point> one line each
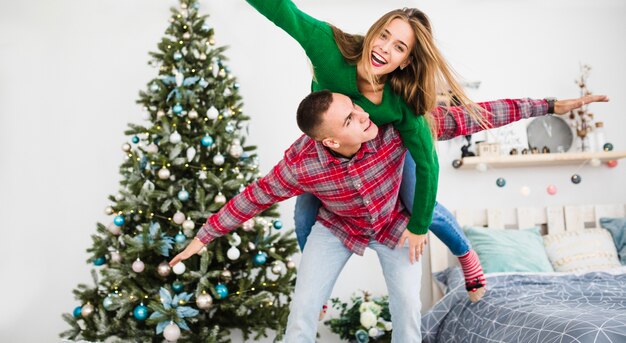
<point>581,306</point>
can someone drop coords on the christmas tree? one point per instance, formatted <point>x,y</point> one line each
<point>180,168</point>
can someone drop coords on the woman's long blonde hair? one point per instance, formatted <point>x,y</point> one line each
<point>419,82</point>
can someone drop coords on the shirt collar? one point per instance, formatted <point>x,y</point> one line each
<point>326,157</point>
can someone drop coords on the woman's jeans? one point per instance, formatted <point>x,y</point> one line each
<point>444,225</point>
<point>321,264</point>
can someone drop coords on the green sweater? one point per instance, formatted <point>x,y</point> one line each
<point>332,72</point>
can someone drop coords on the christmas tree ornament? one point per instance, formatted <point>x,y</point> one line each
<point>99,261</point>
<point>191,153</point>
<point>202,58</point>
<point>235,150</point>
<point>290,264</point>
<point>180,238</point>
<point>226,275</point>
<point>114,229</point>
<point>178,217</point>
<point>244,156</point>
<point>202,175</point>
<point>222,73</point>
<point>164,173</point>
<point>178,56</point>
<point>251,246</point>
<point>551,189</point>
<point>179,268</point>
<point>147,187</point>
<point>215,69</point>
<point>140,312</point>
<point>229,128</point>
<point>248,225</point>
<point>178,286</point>
<point>219,199</point>
<point>481,167</point>
<point>205,28</point>
<point>87,310</point>
<point>186,35</point>
<point>152,148</point>
<point>135,139</point>
<point>116,257</point>
<point>207,141</point>
<point>212,113</point>
<point>236,85</point>
<point>126,147</point>
<point>501,182</point>
<point>576,179</point>
<point>177,109</point>
<point>272,250</point>
<point>227,113</point>
<point>171,332</point>
<point>76,313</point>
<point>241,188</point>
<point>154,87</point>
<point>277,269</point>
<point>183,195</point>
<point>193,114</point>
<point>227,92</point>
<point>204,301</point>
<point>188,224</point>
<point>119,220</point>
<point>164,269</point>
<point>260,258</point>
<point>160,114</point>
<point>221,290</point>
<point>277,224</point>
<point>138,266</point>
<point>203,83</point>
<point>607,147</point>
<point>107,303</point>
<point>457,163</point>
<point>234,239</point>
<point>218,159</point>
<point>233,253</point>
<point>175,137</point>
<point>611,163</point>
<point>595,162</point>
<point>525,190</point>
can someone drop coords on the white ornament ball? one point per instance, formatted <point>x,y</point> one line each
<point>164,173</point>
<point>202,57</point>
<point>212,113</point>
<point>152,148</point>
<point>160,114</point>
<point>179,268</point>
<point>373,332</point>
<point>108,210</point>
<point>193,114</point>
<point>233,253</point>
<point>228,112</point>
<point>204,301</point>
<point>186,35</point>
<point>178,217</point>
<point>171,332</point>
<point>175,137</point>
<point>277,269</point>
<point>191,153</point>
<point>525,190</point>
<point>595,162</point>
<point>114,229</point>
<point>188,224</point>
<point>138,266</point>
<point>234,240</point>
<point>291,264</point>
<point>248,225</point>
<point>227,92</point>
<point>218,159</point>
<point>116,257</point>
<point>126,147</point>
<point>86,310</point>
<point>235,151</point>
<point>164,269</point>
<point>219,198</point>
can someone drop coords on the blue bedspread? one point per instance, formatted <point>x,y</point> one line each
<point>587,308</point>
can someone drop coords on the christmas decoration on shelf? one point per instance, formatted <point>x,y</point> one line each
<point>181,165</point>
<point>500,182</point>
<point>581,120</point>
<point>364,319</point>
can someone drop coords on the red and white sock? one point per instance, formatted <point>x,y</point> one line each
<point>472,271</point>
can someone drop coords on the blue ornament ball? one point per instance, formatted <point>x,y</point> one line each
<point>222,291</point>
<point>178,56</point>
<point>178,286</point>
<point>607,147</point>
<point>119,220</point>
<point>135,139</point>
<point>177,109</point>
<point>140,312</point>
<point>207,141</point>
<point>260,258</point>
<point>107,302</point>
<point>180,238</point>
<point>277,224</point>
<point>361,336</point>
<point>501,182</point>
<point>77,311</point>
<point>99,261</point>
<point>576,179</point>
<point>183,195</point>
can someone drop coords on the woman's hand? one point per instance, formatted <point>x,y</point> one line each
<point>191,249</point>
<point>565,106</point>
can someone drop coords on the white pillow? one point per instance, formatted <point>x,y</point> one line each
<point>581,250</point>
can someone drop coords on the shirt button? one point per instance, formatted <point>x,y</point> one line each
<point>358,184</point>
<point>367,202</point>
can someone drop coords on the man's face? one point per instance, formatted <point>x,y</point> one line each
<point>346,123</point>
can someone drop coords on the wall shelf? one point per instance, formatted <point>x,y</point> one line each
<point>530,160</point>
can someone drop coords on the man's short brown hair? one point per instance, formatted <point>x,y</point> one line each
<point>311,110</point>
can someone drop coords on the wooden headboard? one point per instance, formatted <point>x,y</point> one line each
<point>551,220</point>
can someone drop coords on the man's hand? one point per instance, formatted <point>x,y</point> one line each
<point>416,244</point>
<point>564,106</point>
<point>191,249</point>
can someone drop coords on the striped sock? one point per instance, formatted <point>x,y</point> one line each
<point>472,271</point>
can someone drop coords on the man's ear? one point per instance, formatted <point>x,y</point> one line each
<point>330,143</point>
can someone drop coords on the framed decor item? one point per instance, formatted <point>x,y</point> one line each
<point>550,131</point>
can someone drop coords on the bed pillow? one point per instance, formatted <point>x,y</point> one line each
<point>617,228</point>
<point>581,250</point>
<point>449,278</point>
<point>503,250</point>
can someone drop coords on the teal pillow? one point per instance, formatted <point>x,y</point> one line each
<point>509,250</point>
<point>617,228</point>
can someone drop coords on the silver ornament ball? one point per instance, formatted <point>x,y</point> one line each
<point>204,301</point>
<point>164,269</point>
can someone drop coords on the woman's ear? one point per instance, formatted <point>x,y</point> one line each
<point>405,64</point>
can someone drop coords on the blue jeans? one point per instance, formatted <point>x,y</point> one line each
<point>321,264</point>
<point>444,225</point>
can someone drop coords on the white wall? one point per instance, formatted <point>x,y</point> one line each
<point>70,72</point>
